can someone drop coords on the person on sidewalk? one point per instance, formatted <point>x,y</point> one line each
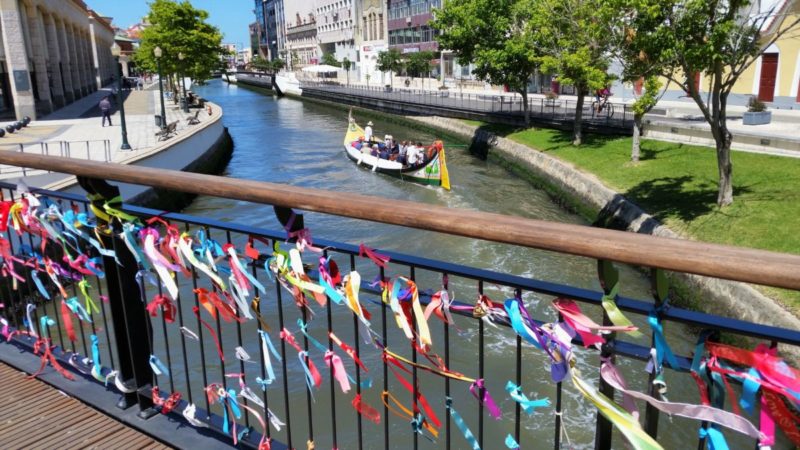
<point>105,108</point>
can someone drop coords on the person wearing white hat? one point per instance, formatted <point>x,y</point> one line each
<point>368,132</point>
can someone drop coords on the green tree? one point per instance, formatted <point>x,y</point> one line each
<point>276,65</point>
<point>720,39</point>
<point>346,65</point>
<point>574,39</point>
<point>178,27</point>
<point>259,64</point>
<point>643,105</point>
<point>330,60</point>
<point>491,34</point>
<point>420,63</point>
<point>390,61</point>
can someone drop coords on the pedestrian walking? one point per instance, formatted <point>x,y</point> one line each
<point>105,108</point>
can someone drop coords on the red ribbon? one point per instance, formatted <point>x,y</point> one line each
<point>782,416</point>
<point>165,304</point>
<point>376,257</point>
<point>365,410</point>
<point>196,311</point>
<point>348,351</point>
<point>213,304</point>
<point>43,345</point>
<point>67,318</point>
<point>166,405</point>
<point>770,367</point>
<point>420,399</point>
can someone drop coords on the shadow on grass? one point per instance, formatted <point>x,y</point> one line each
<point>678,197</point>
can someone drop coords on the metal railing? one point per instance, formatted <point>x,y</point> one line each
<point>91,150</point>
<point>194,365</point>
<point>617,115</point>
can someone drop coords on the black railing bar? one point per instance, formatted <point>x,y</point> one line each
<point>309,394</point>
<point>99,285</point>
<point>385,341</point>
<point>219,329</point>
<point>264,395</point>
<point>239,342</point>
<point>284,363</point>
<point>199,325</point>
<point>148,330</point>
<point>781,335</point>
<point>357,345</point>
<point>332,380</point>
<point>166,343</point>
<point>414,376</point>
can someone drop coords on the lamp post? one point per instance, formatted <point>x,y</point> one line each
<point>116,51</point>
<point>184,103</point>
<point>157,53</point>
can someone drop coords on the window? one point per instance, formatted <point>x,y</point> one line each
<point>380,25</point>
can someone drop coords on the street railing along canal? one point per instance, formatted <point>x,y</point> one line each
<point>253,333</point>
<point>491,103</point>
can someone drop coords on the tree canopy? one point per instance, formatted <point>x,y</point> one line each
<point>390,61</point>
<point>178,27</point>
<point>419,63</point>
<point>490,34</point>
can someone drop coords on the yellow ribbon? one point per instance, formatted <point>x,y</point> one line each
<point>614,313</point>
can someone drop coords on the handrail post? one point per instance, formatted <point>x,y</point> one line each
<point>22,150</point>
<point>609,277</point>
<point>128,315</point>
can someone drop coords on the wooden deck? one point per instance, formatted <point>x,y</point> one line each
<point>34,415</point>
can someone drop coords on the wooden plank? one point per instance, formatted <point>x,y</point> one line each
<point>36,416</point>
<point>714,260</point>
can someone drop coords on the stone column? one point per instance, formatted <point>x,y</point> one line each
<point>77,65</point>
<point>98,77</point>
<point>69,38</point>
<point>17,59</point>
<point>65,63</point>
<point>83,73</point>
<point>54,57</point>
<point>39,47</point>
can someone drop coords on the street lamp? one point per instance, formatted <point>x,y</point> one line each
<point>157,53</point>
<point>184,104</point>
<point>116,51</point>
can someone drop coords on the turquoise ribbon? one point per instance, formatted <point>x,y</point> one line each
<point>157,366</point>
<point>303,329</point>
<point>714,438</point>
<point>268,364</point>
<point>663,352</point>
<point>95,351</point>
<point>416,426</point>
<point>332,293</point>
<point>514,315</point>
<point>130,240</point>
<point>309,378</point>
<point>511,442</point>
<point>78,309</point>
<point>515,392</point>
<point>234,405</point>
<point>750,387</point>
<point>45,322</point>
<point>459,421</point>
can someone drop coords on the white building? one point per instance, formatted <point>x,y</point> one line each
<point>373,39</point>
<point>301,34</point>
<point>337,29</point>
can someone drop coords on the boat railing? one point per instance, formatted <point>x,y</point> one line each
<point>190,351</point>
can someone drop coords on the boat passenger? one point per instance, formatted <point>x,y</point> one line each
<point>368,132</point>
<point>384,154</point>
<point>423,152</point>
<point>402,152</point>
<point>375,150</point>
<point>413,155</point>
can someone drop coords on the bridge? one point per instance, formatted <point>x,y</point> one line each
<point>222,333</point>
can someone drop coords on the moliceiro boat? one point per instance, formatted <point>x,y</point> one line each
<point>431,171</point>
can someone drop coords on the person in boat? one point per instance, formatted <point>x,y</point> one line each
<point>385,153</point>
<point>402,152</point>
<point>413,155</point>
<point>368,132</point>
<point>359,143</point>
<point>433,150</point>
<point>375,150</point>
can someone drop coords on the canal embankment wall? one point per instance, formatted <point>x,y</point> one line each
<point>254,79</point>
<point>610,209</point>
<point>203,148</point>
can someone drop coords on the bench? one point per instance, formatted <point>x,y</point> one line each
<point>168,132</point>
<point>193,120</point>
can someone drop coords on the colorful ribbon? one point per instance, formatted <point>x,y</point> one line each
<point>459,421</point>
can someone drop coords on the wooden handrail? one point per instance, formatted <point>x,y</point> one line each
<point>714,260</point>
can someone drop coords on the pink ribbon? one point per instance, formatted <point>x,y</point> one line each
<point>339,373</point>
<point>487,400</point>
<point>583,325</point>
<point>376,257</point>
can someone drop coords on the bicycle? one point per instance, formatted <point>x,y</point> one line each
<point>599,106</point>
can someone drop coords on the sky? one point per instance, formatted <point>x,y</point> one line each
<point>230,16</point>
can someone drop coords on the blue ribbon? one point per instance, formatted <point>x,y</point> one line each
<point>662,347</point>
<point>130,240</point>
<point>309,378</point>
<point>511,442</point>
<point>515,316</point>
<point>267,363</point>
<point>157,366</point>
<point>39,285</point>
<point>515,392</point>
<point>714,438</point>
<point>459,421</point>
<point>416,426</point>
<point>234,405</point>
<point>750,387</point>
<point>95,351</point>
<point>303,327</point>
<point>332,293</point>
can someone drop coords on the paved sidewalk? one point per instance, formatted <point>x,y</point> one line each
<point>76,130</point>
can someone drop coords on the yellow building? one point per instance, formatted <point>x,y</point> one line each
<point>774,77</point>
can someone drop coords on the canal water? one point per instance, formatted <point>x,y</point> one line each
<point>299,143</point>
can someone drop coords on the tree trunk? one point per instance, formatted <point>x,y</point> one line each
<point>525,106</point>
<point>725,194</point>
<point>578,129</point>
<point>637,132</point>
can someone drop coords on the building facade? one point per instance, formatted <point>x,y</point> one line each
<point>408,25</point>
<point>52,54</point>
<point>373,33</point>
<point>337,29</point>
<point>301,34</point>
<point>271,28</point>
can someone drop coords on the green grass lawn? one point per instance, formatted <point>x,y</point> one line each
<point>677,184</point>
